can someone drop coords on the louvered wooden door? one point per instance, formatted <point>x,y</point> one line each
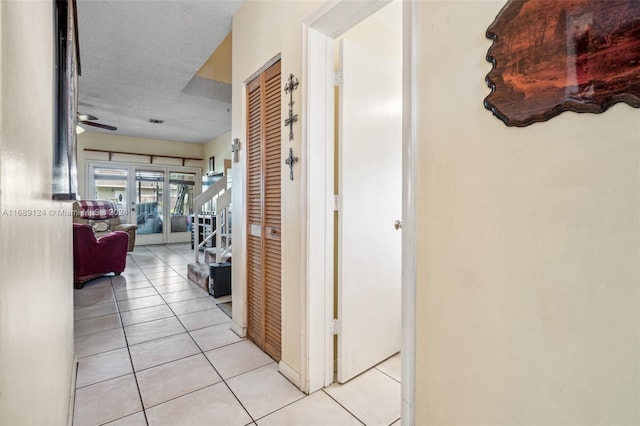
<point>263,211</point>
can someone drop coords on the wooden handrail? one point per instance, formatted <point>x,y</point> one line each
<point>198,203</point>
<point>211,192</point>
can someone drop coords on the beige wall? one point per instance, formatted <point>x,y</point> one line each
<point>528,247</point>
<point>218,66</point>
<point>255,41</point>
<point>102,141</point>
<point>528,238</point>
<point>220,148</point>
<point>36,283</point>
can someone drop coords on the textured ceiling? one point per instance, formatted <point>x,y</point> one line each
<point>139,60</point>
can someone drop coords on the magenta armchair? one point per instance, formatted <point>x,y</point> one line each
<point>104,216</point>
<point>94,257</point>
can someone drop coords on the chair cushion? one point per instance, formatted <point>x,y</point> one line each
<point>100,225</point>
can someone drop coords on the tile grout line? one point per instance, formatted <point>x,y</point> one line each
<point>99,331</point>
<point>122,326</point>
<point>184,394</point>
<point>345,408</point>
<point>90,318</point>
<point>133,370</point>
<point>220,375</point>
<point>388,375</point>
<point>223,380</point>
<point>173,314</point>
<point>176,315</point>
<point>103,380</point>
<point>210,363</point>
<point>304,395</point>
<point>253,420</point>
<point>161,261</point>
<point>197,345</point>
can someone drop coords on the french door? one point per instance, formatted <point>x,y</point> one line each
<point>159,199</point>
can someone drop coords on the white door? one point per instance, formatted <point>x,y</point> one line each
<point>148,205</point>
<point>370,189</point>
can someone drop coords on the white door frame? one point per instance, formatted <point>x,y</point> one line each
<point>317,151</point>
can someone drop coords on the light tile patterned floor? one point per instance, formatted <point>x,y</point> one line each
<point>154,349</point>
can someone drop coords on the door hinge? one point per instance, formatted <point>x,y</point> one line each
<point>337,78</point>
<point>336,203</point>
<point>336,327</point>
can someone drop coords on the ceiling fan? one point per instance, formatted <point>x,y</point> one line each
<point>88,120</point>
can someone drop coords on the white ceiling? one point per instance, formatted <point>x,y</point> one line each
<point>139,59</point>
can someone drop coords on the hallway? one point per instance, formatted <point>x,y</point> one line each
<point>155,349</point>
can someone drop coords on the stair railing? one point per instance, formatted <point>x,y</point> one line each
<point>223,228</point>
<point>216,190</point>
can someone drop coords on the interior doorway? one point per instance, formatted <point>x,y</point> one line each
<point>369,181</point>
<point>321,31</point>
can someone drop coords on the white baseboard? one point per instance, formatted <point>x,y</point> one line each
<point>238,329</point>
<point>72,391</point>
<point>291,375</point>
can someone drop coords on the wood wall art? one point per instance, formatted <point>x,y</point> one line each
<point>551,56</point>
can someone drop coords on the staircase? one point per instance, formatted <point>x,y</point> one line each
<point>220,196</point>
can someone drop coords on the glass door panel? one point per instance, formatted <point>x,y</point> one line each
<point>148,209</point>
<point>111,184</point>
<point>181,190</point>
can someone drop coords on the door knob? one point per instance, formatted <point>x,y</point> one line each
<point>398,224</point>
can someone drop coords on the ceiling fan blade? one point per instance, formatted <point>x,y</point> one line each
<point>99,125</point>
